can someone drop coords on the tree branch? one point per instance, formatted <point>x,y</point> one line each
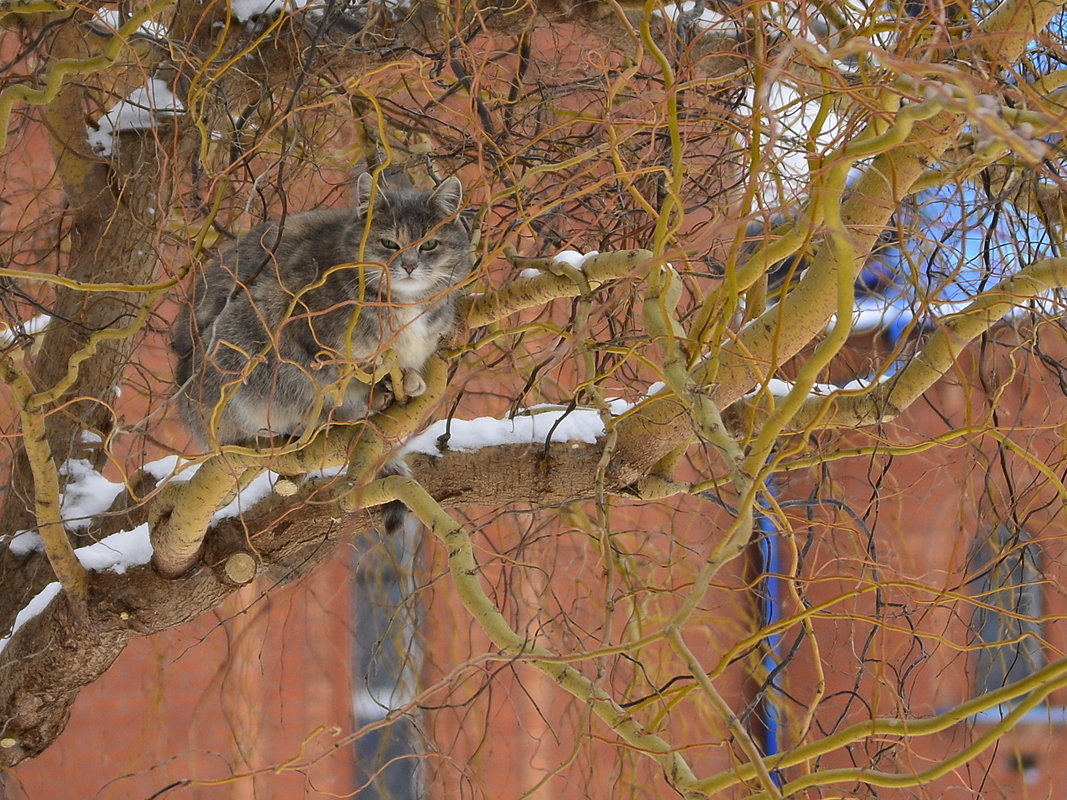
<point>57,547</point>
<point>886,401</point>
<point>784,330</point>
<point>39,680</point>
<point>485,309</point>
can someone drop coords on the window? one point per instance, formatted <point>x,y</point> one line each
<point>1005,626</point>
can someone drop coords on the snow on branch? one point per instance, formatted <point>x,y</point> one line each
<point>547,279</point>
<point>10,335</point>
<point>110,20</point>
<point>536,425</point>
<point>140,110</point>
<point>38,604</point>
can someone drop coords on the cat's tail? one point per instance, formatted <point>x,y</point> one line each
<point>394,513</point>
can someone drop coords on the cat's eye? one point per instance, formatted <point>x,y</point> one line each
<point>389,244</point>
<point>429,244</point>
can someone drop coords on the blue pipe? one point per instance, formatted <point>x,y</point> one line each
<point>770,548</point>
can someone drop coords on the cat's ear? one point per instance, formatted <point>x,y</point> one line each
<point>448,196</point>
<point>364,184</point>
<point>363,187</point>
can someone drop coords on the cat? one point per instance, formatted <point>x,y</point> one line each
<point>276,323</point>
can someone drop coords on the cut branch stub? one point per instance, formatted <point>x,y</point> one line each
<point>238,569</point>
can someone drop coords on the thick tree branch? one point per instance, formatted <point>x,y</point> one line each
<point>39,680</point>
<point>886,401</point>
<point>57,547</point>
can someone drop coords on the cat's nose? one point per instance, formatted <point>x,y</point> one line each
<point>409,262</point>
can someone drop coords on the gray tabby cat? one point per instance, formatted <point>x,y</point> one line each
<point>280,318</point>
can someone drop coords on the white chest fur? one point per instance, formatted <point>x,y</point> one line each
<point>414,338</point>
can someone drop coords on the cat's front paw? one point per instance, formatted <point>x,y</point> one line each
<point>414,385</point>
<point>381,396</point>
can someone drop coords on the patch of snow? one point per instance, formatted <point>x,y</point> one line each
<point>707,21</point>
<point>176,468</point>
<point>580,425</point>
<point>875,313</point>
<point>8,336</point>
<point>329,472</point>
<point>570,257</point>
<point>260,486</point>
<point>244,10</point>
<point>781,388</point>
<point>527,274</point>
<point>117,552</point>
<point>109,20</point>
<point>864,382</point>
<point>25,542</point>
<point>138,111</point>
<point>573,258</point>
<point>38,604</point>
<point>168,468</point>
<point>87,493</point>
